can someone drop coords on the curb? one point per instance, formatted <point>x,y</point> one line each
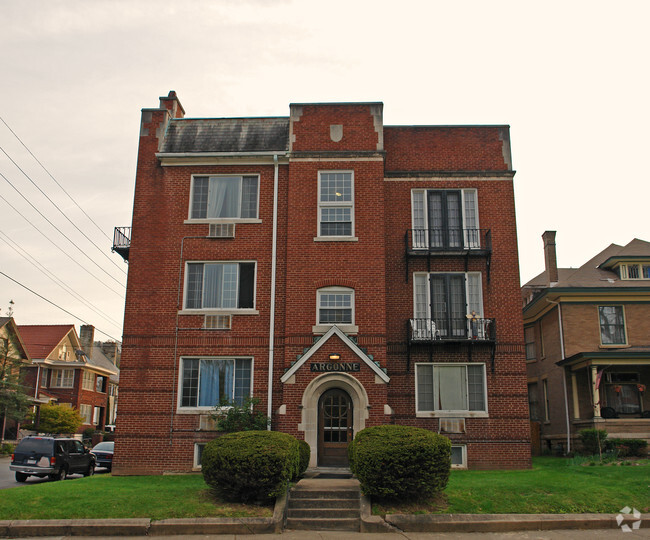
<point>508,522</point>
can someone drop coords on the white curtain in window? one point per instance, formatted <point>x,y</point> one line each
<point>223,197</point>
<point>212,283</point>
<point>450,386</point>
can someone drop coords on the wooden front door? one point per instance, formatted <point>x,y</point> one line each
<point>334,428</point>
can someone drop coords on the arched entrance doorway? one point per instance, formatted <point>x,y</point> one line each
<point>335,428</point>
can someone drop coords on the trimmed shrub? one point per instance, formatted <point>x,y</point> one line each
<point>305,454</point>
<point>251,466</point>
<point>627,447</point>
<point>590,440</point>
<point>403,462</point>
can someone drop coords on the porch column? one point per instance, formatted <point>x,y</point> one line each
<point>594,391</point>
<point>574,393</point>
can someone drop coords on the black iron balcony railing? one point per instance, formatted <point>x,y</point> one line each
<point>122,241</point>
<point>448,329</point>
<point>423,241</point>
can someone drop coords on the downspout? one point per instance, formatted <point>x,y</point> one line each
<point>274,247</point>
<point>566,399</point>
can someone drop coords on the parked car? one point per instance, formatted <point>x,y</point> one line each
<point>104,454</point>
<point>51,456</point>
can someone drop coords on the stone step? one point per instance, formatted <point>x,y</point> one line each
<point>323,513</point>
<point>324,503</point>
<point>298,493</point>
<point>323,524</point>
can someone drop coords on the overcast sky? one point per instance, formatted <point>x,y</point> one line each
<point>569,77</point>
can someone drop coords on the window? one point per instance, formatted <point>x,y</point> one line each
<point>446,300</point>
<point>529,338</point>
<point>88,380</point>
<point>622,392</point>
<point>198,454</point>
<point>612,325</point>
<point>458,456</point>
<point>63,353</point>
<point>451,388</point>
<point>206,382</point>
<point>335,306</point>
<point>62,378</point>
<point>336,204</point>
<point>45,373</point>
<point>634,271</point>
<point>445,219</point>
<point>96,415</point>
<point>224,197</point>
<point>547,407</point>
<point>86,412</point>
<point>533,401</point>
<point>100,384</point>
<point>220,285</point>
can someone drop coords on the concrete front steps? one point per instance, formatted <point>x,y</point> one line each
<point>324,504</point>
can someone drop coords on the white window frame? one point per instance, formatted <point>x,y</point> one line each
<point>96,414</point>
<point>62,378</point>
<point>424,202</point>
<point>202,409</point>
<point>528,330</point>
<point>451,413</point>
<point>256,219</point>
<point>86,412</point>
<point>335,204</point>
<point>218,311</point>
<point>88,380</point>
<point>321,327</point>
<point>196,463</point>
<point>463,463</point>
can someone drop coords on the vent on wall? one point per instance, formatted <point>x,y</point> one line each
<point>221,230</point>
<point>218,322</point>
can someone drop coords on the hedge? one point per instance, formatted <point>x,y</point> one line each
<point>251,466</point>
<point>305,454</point>
<point>403,462</point>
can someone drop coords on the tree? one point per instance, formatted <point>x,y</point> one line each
<point>14,401</point>
<point>240,417</point>
<point>58,419</point>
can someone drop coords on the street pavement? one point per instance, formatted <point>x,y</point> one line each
<point>608,534</point>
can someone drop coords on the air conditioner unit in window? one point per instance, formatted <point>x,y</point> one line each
<point>218,322</point>
<point>221,230</point>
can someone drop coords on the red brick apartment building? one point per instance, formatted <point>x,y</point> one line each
<point>346,273</point>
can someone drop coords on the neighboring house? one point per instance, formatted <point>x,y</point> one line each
<point>61,372</point>
<point>587,333</point>
<point>12,353</point>
<point>346,273</point>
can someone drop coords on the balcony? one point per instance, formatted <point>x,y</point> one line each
<point>447,331</point>
<point>122,242</point>
<point>448,243</point>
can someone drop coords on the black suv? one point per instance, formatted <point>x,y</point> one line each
<point>53,457</point>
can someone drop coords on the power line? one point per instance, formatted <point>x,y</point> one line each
<point>53,277</point>
<point>61,211</point>
<point>60,231</point>
<point>56,305</point>
<point>55,180</point>
<point>121,295</point>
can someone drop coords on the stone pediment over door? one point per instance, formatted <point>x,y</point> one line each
<point>335,331</point>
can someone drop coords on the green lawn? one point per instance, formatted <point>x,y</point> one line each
<point>105,496</point>
<point>553,486</point>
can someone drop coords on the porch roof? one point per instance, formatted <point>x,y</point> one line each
<point>630,355</point>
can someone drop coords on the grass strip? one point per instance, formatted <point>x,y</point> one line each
<point>552,486</point>
<point>105,496</point>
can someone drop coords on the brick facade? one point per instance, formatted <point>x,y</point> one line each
<point>383,165</point>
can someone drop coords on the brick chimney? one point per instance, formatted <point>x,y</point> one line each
<point>86,337</point>
<point>172,104</point>
<point>550,258</point>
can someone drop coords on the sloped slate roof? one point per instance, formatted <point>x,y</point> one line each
<point>591,275</point>
<point>227,135</point>
<point>40,339</point>
<point>99,359</point>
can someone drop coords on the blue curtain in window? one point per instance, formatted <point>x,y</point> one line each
<point>215,382</point>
